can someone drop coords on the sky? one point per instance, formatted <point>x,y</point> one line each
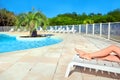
<point>52,8</point>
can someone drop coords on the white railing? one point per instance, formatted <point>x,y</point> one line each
<point>109,30</point>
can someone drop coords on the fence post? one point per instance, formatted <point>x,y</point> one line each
<point>55,27</point>
<point>93,31</point>
<point>86,29</point>
<point>100,29</point>
<point>73,27</point>
<point>109,30</point>
<point>67,29</point>
<point>61,27</point>
<point>80,29</point>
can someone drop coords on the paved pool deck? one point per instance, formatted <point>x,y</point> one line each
<point>50,62</point>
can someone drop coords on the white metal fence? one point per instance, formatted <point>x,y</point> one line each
<point>5,28</point>
<point>106,30</point>
<point>109,30</point>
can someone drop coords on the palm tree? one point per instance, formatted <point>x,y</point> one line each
<point>31,21</point>
<point>88,21</point>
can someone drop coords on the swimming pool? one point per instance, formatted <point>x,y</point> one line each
<point>10,43</point>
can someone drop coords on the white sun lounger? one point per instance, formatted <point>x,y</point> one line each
<point>94,64</point>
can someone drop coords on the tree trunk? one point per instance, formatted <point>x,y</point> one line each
<point>33,33</point>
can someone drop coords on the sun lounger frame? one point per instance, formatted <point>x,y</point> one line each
<point>93,64</point>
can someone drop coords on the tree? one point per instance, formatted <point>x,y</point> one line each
<point>7,18</point>
<point>74,18</point>
<point>115,14</point>
<point>31,21</point>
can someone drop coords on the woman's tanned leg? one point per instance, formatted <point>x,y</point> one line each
<point>110,58</point>
<point>104,53</point>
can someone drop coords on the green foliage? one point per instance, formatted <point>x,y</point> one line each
<point>88,21</point>
<point>74,18</point>
<point>7,18</point>
<point>65,19</point>
<point>115,14</point>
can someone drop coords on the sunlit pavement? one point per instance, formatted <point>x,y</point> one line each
<point>50,62</point>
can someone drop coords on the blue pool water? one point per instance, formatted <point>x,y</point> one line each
<point>11,43</point>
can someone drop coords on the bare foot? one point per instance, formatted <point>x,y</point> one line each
<point>81,53</point>
<point>86,56</point>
